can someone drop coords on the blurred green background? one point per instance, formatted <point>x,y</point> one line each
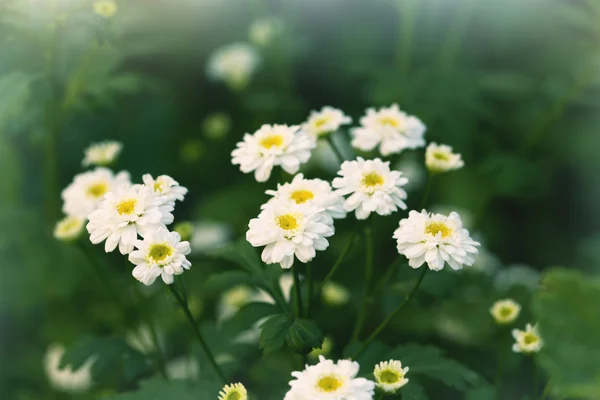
<point>512,85</point>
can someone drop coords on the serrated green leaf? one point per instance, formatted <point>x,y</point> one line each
<point>274,332</point>
<point>158,389</point>
<point>110,354</point>
<point>566,309</point>
<point>413,391</point>
<point>431,362</point>
<point>304,335</point>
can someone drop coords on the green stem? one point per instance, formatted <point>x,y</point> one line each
<point>159,354</point>
<point>99,270</point>
<point>340,259</point>
<point>362,313</point>
<point>192,321</point>
<point>535,374</point>
<point>310,288</point>
<point>427,192</point>
<point>298,291</point>
<point>408,11</point>
<point>335,149</point>
<point>456,33</point>
<point>381,326</point>
<point>499,367</point>
<point>388,274</point>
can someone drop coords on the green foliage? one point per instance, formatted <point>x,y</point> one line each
<point>112,357</point>
<point>157,389</point>
<point>300,334</point>
<point>567,313</point>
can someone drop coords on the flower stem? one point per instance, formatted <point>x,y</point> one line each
<point>99,270</point>
<point>298,290</point>
<point>310,288</point>
<point>362,313</point>
<point>392,314</point>
<point>427,192</point>
<point>159,354</point>
<point>340,259</point>
<point>335,148</point>
<point>205,348</point>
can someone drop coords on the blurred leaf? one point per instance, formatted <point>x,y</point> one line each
<point>217,283</point>
<point>515,176</point>
<point>249,314</point>
<point>482,393</point>
<point>157,389</point>
<point>566,308</point>
<point>304,335</point>
<point>241,253</point>
<point>431,362</point>
<point>110,355</point>
<point>413,391</point>
<point>15,92</point>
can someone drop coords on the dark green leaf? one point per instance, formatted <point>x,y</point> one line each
<point>304,335</point>
<point>157,389</point>
<point>274,332</point>
<point>413,391</point>
<point>242,254</point>
<point>566,309</point>
<point>216,284</point>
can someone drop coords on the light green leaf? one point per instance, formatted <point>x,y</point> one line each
<point>566,309</point>
<point>158,389</point>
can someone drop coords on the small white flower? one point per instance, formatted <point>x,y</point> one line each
<point>126,213</point>
<point>372,187</point>
<point>390,376</point>
<point>161,253</point>
<point>264,30</point>
<point>102,154</point>
<point>167,188</point>
<point>273,145</point>
<point>435,239</point>
<point>440,158</point>
<point>310,192</point>
<point>332,381</point>
<point>287,229</point>
<point>65,379</point>
<point>328,120</point>
<point>527,341</point>
<point>69,228</point>
<point>390,129</point>
<point>235,391</point>
<point>505,311</point>
<point>335,294</point>
<point>86,192</point>
<point>233,64</point>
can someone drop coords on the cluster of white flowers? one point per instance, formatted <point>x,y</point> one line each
<point>119,213</point>
<point>338,381</point>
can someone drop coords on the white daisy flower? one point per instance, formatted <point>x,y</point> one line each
<point>86,192</point>
<point>161,253</point>
<point>263,30</point>
<point>329,380</point>
<point>372,187</point>
<point>390,129</point>
<point>440,158</point>
<point>326,121</point>
<point>69,228</point>
<point>390,376</point>
<point>435,239</point>
<point>167,188</point>
<point>126,213</point>
<point>235,391</point>
<point>505,311</point>
<point>233,64</point>
<point>273,145</point>
<point>527,341</point>
<point>287,229</point>
<point>65,379</point>
<point>102,154</point>
<point>311,192</point>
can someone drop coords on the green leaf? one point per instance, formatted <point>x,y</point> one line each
<point>110,355</point>
<point>15,92</point>
<point>158,389</point>
<point>216,284</point>
<point>304,335</point>
<point>242,254</point>
<point>248,314</point>
<point>431,362</point>
<point>482,393</point>
<point>413,391</point>
<point>274,332</point>
<point>566,309</point>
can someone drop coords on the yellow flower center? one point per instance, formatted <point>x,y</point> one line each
<point>157,186</point>
<point>389,376</point>
<point>233,396</point>
<point>302,196</point>
<point>441,156</point>
<point>438,227</point>
<point>389,121</point>
<point>372,179</point>
<point>319,122</point>
<point>287,222</point>
<point>329,384</point>
<point>505,312</point>
<point>126,206</point>
<point>530,338</point>
<point>271,141</point>
<point>97,189</point>
<point>159,251</point>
